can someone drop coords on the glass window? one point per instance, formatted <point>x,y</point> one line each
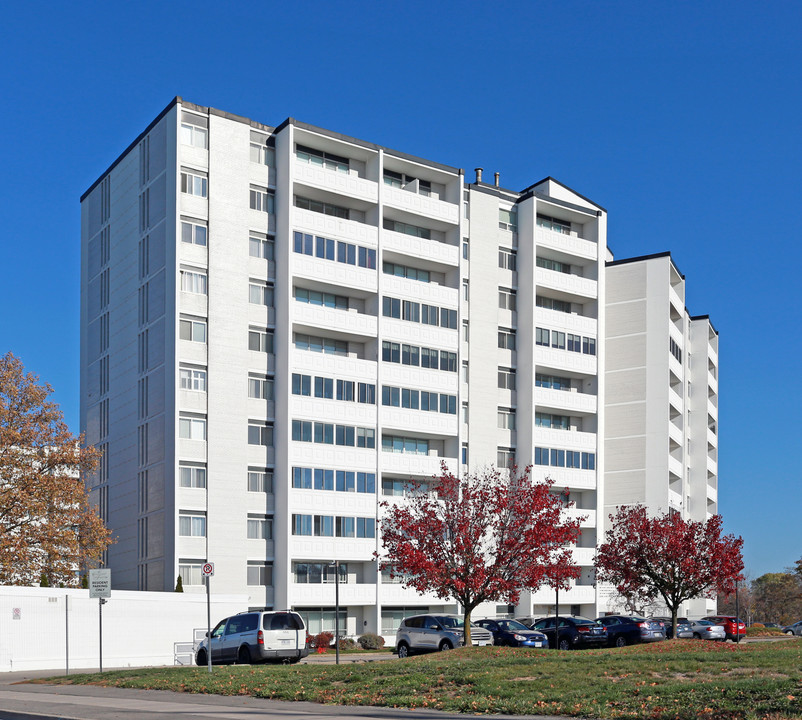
<point>192,476</point>
<point>260,341</point>
<point>262,199</point>
<point>193,183</point>
<point>261,248</point>
<point>191,524</point>
<point>260,480</point>
<point>260,527</point>
<point>193,233</point>
<point>192,330</point>
<point>193,135</point>
<point>192,379</point>
<point>192,428</point>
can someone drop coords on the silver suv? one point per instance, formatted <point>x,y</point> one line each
<point>251,637</point>
<point>436,632</point>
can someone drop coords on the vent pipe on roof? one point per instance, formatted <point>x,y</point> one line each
<point>497,175</point>
<point>479,175</point>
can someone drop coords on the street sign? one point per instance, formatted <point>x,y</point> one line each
<point>100,583</point>
<point>207,570</point>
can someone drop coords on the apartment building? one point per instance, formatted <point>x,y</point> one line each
<point>661,404</point>
<point>281,325</point>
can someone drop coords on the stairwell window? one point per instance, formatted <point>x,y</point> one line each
<point>191,523</point>
<point>260,294</point>
<point>193,232</point>
<point>193,135</point>
<point>192,476</point>
<point>260,434</point>
<point>507,299</point>
<point>194,183</point>
<point>262,199</point>
<point>192,330</point>
<point>260,527</point>
<point>508,219</point>
<point>507,259</point>
<point>194,281</point>
<point>192,428</point>
<point>260,574</point>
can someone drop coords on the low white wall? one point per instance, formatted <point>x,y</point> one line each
<point>139,628</point>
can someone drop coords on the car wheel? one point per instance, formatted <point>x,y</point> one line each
<point>446,645</point>
<point>564,644</point>
<point>244,656</point>
<point>620,641</point>
<point>201,658</point>
<point>403,650</point>
<point>789,632</point>
<point>697,636</point>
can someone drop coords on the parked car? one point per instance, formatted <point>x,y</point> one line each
<point>514,634</point>
<point>630,629</point>
<point>706,630</point>
<point>684,629</point>
<point>436,632</point>
<point>250,637</point>
<point>795,629</point>
<point>573,631</point>
<point>733,627</point>
<point>771,626</point>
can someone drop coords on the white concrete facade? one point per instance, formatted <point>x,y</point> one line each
<point>266,314</point>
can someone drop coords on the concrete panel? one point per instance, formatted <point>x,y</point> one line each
<point>626,318</point>
<point>625,352</point>
<point>624,454</point>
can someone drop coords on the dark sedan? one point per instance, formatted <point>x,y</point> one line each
<point>684,629</point>
<point>514,634</point>
<point>630,629</point>
<point>572,632</point>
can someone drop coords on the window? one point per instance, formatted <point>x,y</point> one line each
<point>190,572</point>
<point>507,259</point>
<point>506,339</point>
<point>345,390</point>
<point>324,388</point>
<point>552,381</point>
<point>464,453</point>
<point>324,479</point>
<point>260,294</point>
<point>542,337</point>
<point>260,387</point>
<point>192,476</point>
<point>466,251</point>
<point>588,461</point>
<point>345,527</point>
<point>260,574</point>
<point>260,480</point>
<point>193,281</point>
<point>261,247</point>
<point>508,219</point>
<point>192,428</point>
<point>260,434</point>
<point>550,223</point>
<point>506,299</point>
<point>365,437</point>
<point>506,418</point>
<point>555,265</point>
<point>314,573</point>
<point>506,378</point>
<point>260,340</point>
<point>193,232</point>
<point>193,135</point>
<point>324,525</point>
<point>193,183</point>
<point>505,457</point>
<point>558,340</point>
<point>556,457</point>
<point>551,304</point>
<point>322,207</point>
<point>673,348</point>
<point>588,346</point>
<point>315,297</point>
<point>322,159</point>
<point>192,379</point>
<point>466,331</point>
<point>302,478</point>
<point>574,343</point>
<point>327,346</point>
<point>365,527</point>
<point>262,199</point>
<point>260,527</point>
<point>301,384</point>
<point>301,524</point>
<point>192,330</point>
<point>191,523</point>
<point>547,420</point>
<point>263,155</point>
<point>407,229</point>
<point>407,445</point>
<point>366,393</point>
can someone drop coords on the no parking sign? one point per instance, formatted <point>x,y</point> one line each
<point>207,570</point>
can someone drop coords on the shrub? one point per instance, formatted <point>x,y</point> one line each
<point>371,641</point>
<point>757,625</point>
<point>321,640</point>
<point>347,643</point>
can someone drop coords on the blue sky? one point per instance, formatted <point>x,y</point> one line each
<point>682,119</point>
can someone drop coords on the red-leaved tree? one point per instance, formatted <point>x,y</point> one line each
<point>479,538</point>
<point>665,555</point>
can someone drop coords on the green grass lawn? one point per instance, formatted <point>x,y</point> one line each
<point>672,679</point>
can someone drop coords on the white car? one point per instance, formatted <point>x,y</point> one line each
<point>706,630</point>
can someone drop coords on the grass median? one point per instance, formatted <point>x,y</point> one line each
<point>681,680</point>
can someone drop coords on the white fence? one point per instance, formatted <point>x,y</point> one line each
<point>53,629</point>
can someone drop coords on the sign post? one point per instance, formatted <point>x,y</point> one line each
<point>207,571</point>
<point>100,588</point>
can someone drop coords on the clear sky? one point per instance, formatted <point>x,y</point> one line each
<point>681,118</point>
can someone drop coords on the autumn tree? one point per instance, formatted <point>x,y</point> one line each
<point>48,530</point>
<point>483,537</point>
<point>778,597</point>
<point>666,556</point>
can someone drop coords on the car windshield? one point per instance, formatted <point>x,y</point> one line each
<point>512,625</point>
<point>450,622</point>
<point>703,622</point>
<point>584,621</point>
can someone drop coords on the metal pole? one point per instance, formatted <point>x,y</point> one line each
<point>208,626</point>
<point>67,632</point>
<point>557,618</point>
<point>737,620</point>
<point>100,635</point>
<point>337,610</point>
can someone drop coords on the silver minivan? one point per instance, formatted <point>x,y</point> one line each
<point>436,632</point>
<point>258,636</point>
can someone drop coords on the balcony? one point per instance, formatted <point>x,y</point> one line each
<point>675,366</point>
<point>573,439</point>
<point>336,274</point>
<point>261,315</point>
<point>712,465</point>
<point>586,516</point>
<point>395,594</point>
<point>584,555</point>
<point>192,401</point>
<point>334,227</point>
<point>340,366</point>
<point>261,268</point>
<point>261,408</point>
<point>261,455</point>
<point>429,250</point>
<point>192,303</point>
<point>192,352</point>
<point>675,433</point>
<point>567,477</point>
<point>675,399</point>
<point>340,321</point>
<point>576,402</point>
<point>712,409</point>
<point>192,449</point>
<point>324,593</point>
<point>421,205</point>
<point>407,464</point>
<point>583,287</point>
<point>430,293</point>
<point>579,363</point>
<point>570,244</point>
<point>194,206</point>
<point>408,421</point>
<point>349,184</point>
<point>420,334</point>
<point>570,322</point>
<point>675,466</point>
